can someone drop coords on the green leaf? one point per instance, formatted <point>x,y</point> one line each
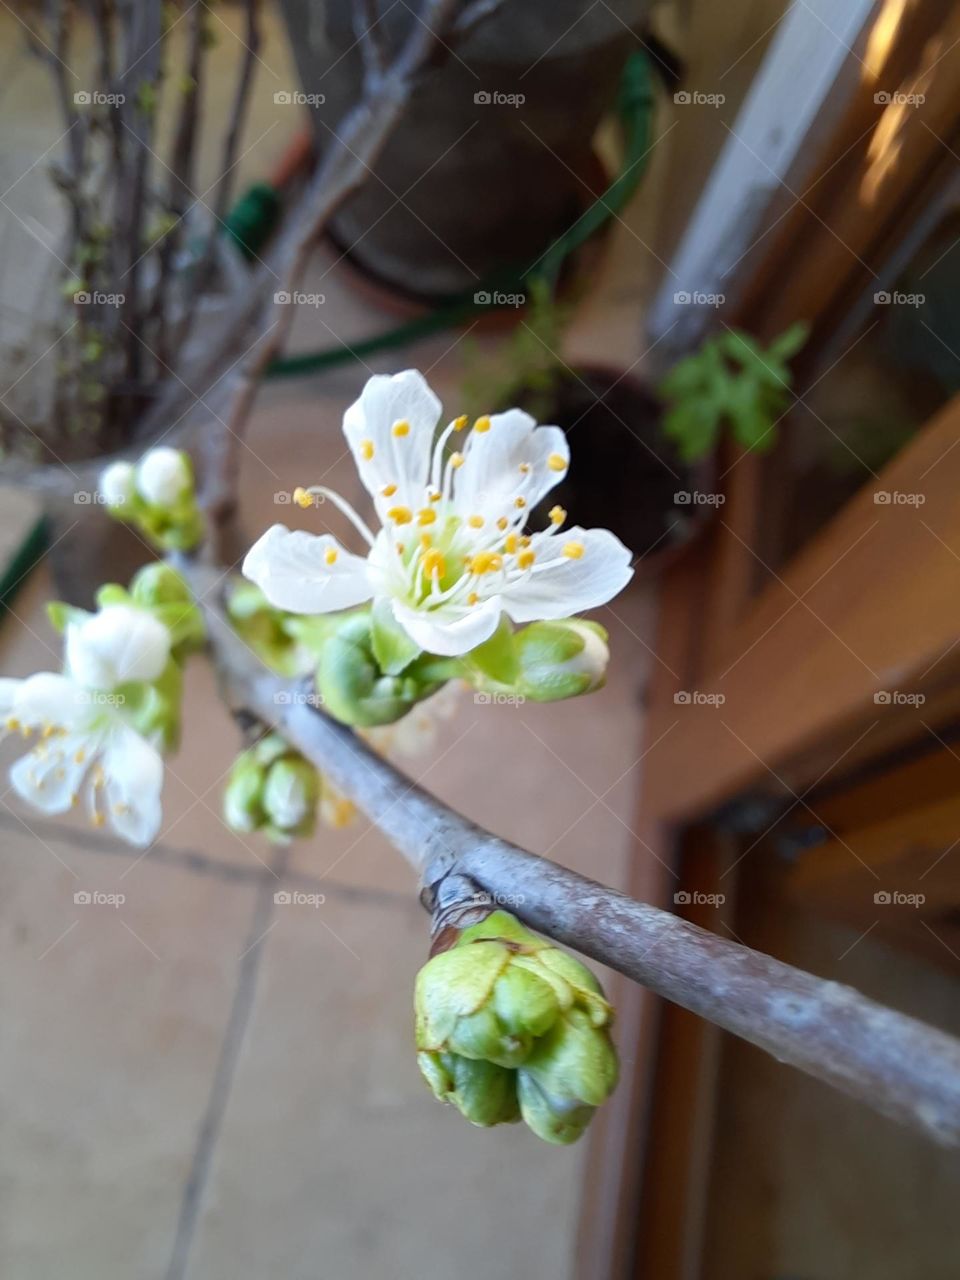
<point>496,658</point>
<point>61,613</point>
<point>694,425</point>
<point>790,341</point>
<point>392,647</point>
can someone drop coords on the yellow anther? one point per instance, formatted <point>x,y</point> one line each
<point>482,424</point>
<point>524,468</point>
<point>485,562</point>
<point>97,819</point>
<point>524,540</point>
<point>435,497</point>
<point>121,808</point>
<point>502,523</point>
<point>473,598</point>
<point>400,515</point>
<point>60,774</point>
<point>557,515</point>
<point>525,559</point>
<point>330,555</point>
<point>48,730</point>
<point>573,550</point>
<point>456,460</point>
<point>401,548</point>
<point>79,756</point>
<point>510,544</point>
<point>302,498</point>
<point>557,462</point>
<point>341,813</point>
<point>434,563</point>
<point>13,724</point>
<point>388,490</point>
<point>519,503</point>
<point>366,450</point>
<point>426,516</point>
<point>401,429</point>
<point>460,424</point>
<point>475,522</point>
<point>98,776</point>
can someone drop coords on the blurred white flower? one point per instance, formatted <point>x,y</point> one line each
<point>86,746</point>
<point>163,476</point>
<point>117,483</point>
<point>451,555</point>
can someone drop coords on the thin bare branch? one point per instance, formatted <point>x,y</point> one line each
<point>900,1067</point>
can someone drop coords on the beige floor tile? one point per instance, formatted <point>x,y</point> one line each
<point>113,1019</point>
<point>335,1160</point>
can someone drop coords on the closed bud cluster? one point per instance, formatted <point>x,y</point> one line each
<point>157,496</point>
<point>273,789</point>
<point>508,1026</point>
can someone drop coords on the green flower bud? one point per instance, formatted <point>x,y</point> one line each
<point>158,497</point>
<point>571,1071</point>
<point>272,788</point>
<point>274,636</point>
<point>482,1092</point>
<point>160,589</point>
<point>561,659</point>
<point>511,1001</point>
<point>352,685</point>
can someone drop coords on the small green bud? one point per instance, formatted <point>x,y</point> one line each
<point>272,788</point>
<point>352,684</point>
<point>482,1092</point>
<point>274,636</point>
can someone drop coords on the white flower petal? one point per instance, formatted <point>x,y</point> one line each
<point>50,776</point>
<point>449,630</point>
<point>133,780</point>
<point>559,586</point>
<point>384,459</point>
<point>292,570</point>
<point>46,699</point>
<point>116,483</point>
<point>118,644</point>
<point>513,458</point>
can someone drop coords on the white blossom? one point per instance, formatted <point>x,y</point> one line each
<point>452,554</point>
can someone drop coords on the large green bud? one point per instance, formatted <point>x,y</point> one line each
<point>543,662</point>
<point>272,789</point>
<point>504,998</point>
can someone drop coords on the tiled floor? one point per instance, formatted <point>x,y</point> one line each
<point>203,1084</point>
